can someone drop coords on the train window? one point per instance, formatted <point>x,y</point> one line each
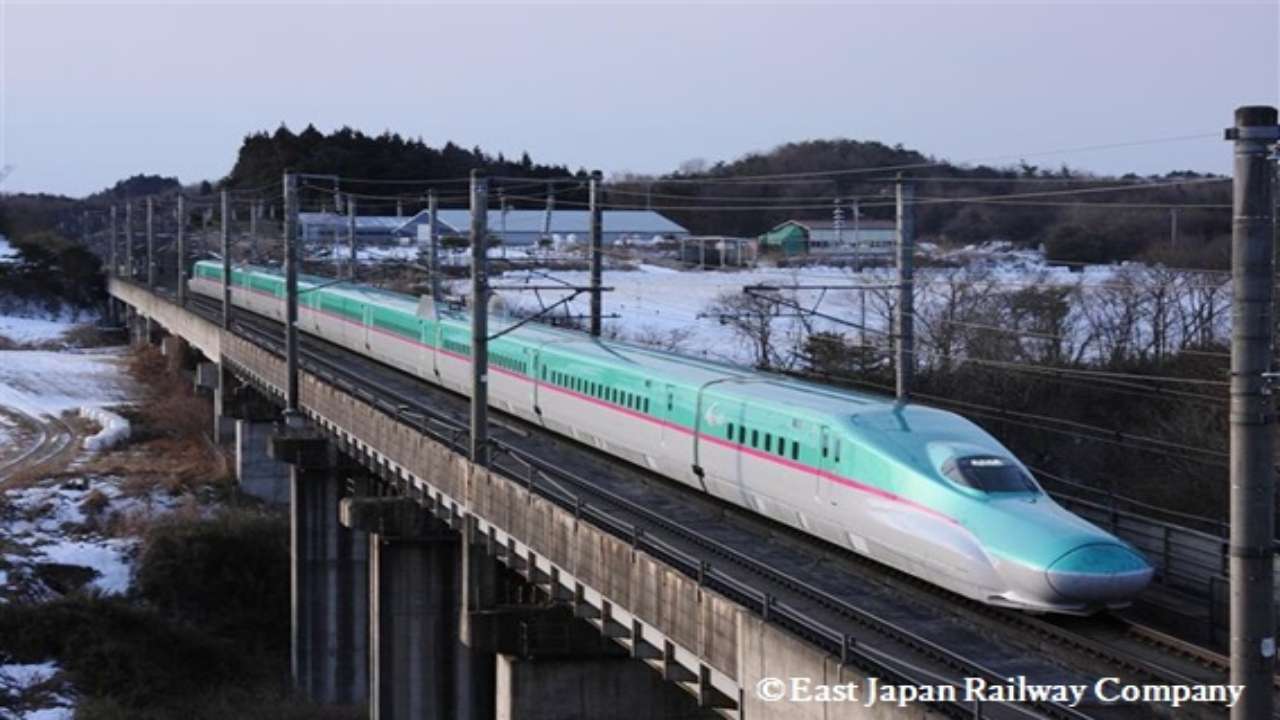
<point>755,438</point>
<point>989,474</point>
<point>646,404</point>
<point>837,450</point>
<point>742,434</point>
<point>768,442</point>
<point>730,431</point>
<point>795,451</point>
<point>782,447</point>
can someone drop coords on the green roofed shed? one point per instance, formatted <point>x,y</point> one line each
<point>789,238</point>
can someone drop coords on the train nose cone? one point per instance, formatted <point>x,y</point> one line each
<point>1100,572</point>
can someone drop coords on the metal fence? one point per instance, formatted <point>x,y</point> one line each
<point>1192,562</point>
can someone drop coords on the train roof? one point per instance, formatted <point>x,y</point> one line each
<point>865,410</point>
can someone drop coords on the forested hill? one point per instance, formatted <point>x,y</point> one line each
<point>1092,227</point>
<point>264,157</point>
<point>1022,203</point>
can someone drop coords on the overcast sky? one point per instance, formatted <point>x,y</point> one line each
<point>94,92</point>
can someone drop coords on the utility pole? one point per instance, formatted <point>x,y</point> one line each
<point>128,238</point>
<point>115,238</point>
<point>292,418</point>
<point>595,232</point>
<point>1252,413</point>
<point>857,236</point>
<point>351,236</point>
<point>226,260</point>
<point>151,243</point>
<point>255,207</point>
<point>551,208</point>
<point>399,207</point>
<point>479,320</point>
<point>837,222</point>
<point>1173,227</point>
<point>182,249</point>
<point>433,237</point>
<point>904,338</point>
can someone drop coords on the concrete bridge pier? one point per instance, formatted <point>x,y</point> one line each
<point>258,475</point>
<point>139,329</point>
<point>224,405</point>
<point>412,608</point>
<point>330,577</point>
<point>176,351</point>
<point>480,588</point>
<point>553,666</point>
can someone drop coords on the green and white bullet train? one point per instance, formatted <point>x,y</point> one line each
<point>919,489</point>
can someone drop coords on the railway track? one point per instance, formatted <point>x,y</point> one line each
<point>875,638</point>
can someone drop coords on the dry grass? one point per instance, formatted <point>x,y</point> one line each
<point>169,448</point>
<point>92,336</point>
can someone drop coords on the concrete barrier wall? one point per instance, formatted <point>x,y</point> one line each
<point>200,333</point>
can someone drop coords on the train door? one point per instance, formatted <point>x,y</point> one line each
<point>828,457</point>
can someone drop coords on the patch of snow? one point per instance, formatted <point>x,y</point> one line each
<point>27,675</point>
<point>115,429</point>
<point>53,713</point>
<point>30,684</point>
<point>8,253</point>
<point>48,383</point>
<point>51,524</point>
<point>33,330</point>
<point>109,558</point>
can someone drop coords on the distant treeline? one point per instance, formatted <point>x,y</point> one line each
<point>400,163</point>
<point>1089,227</point>
<point>728,198</point>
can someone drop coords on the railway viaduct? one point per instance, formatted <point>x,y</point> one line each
<point>430,587</point>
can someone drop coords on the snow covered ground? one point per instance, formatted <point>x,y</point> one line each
<point>68,523</point>
<point>38,382</point>
<point>671,308</point>
<point>66,532</point>
<point>8,253</point>
<point>35,681</point>
<point>33,330</point>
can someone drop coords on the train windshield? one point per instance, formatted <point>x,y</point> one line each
<point>989,474</point>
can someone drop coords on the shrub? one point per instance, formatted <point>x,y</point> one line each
<point>228,574</point>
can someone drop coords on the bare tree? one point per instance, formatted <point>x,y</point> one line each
<point>751,316</point>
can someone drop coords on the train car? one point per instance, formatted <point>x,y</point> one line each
<point>919,489</point>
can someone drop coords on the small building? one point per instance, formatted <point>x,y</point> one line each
<point>717,251</point>
<point>528,227</point>
<point>333,227</point>
<point>865,237</point>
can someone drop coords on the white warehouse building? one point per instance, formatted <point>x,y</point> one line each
<point>527,227</point>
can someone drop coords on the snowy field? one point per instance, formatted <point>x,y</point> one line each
<point>59,533</point>
<point>674,309</point>
<point>36,382</point>
<point>33,330</point>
